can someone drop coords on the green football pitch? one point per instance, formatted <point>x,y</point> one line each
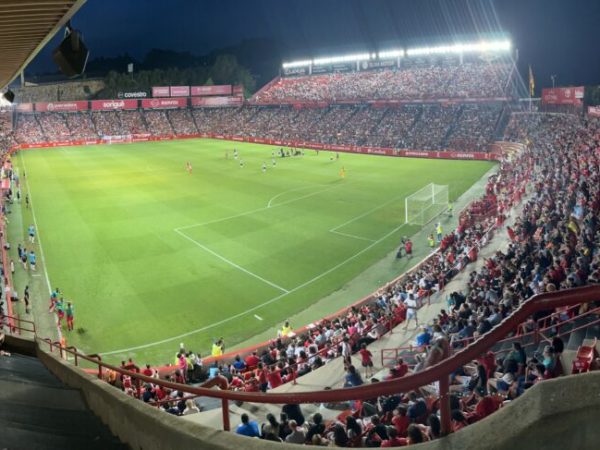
<point>152,256</point>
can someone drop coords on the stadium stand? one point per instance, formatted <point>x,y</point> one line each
<point>468,80</point>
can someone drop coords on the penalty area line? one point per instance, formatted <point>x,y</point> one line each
<point>257,307</point>
<point>231,263</point>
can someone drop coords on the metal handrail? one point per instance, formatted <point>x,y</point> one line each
<point>437,373</point>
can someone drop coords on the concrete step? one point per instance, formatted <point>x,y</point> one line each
<point>39,412</point>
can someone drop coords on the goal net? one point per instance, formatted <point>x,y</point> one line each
<point>426,204</point>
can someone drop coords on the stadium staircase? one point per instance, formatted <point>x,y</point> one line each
<point>40,412</point>
<point>502,123</point>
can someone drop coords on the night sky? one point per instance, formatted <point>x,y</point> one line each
<point>555,36</point>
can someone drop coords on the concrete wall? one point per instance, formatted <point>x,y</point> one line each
<point>563,413</point>
<point>557,414</point>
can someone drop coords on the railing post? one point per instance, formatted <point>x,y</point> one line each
<point>225,409</point>
<point>445,405</point>
<point>294,376</point>
<point>536,334</point>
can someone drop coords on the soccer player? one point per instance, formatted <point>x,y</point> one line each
<point>70,316</point>
<point>235,154</point>
<point>264,167</point>
<point>188,167</point>
<point>241,163</point>
<point>31,233</point>
<point>27,200</point>
<point>32,260</point>
<point>53,299</point>
<point>60,310</point>
<point>343,172</point>
<point>226,155</point>
<point>337,156</point>
<point>26,300</point>
<point>273,162</point>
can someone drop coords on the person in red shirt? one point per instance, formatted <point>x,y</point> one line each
<point>393,440</point>
<point>252,361</point>
<point>148,371</point>
<point>274,377</point>
<point>400,420</point>
<point>366,360</point>
<point>261,374</point>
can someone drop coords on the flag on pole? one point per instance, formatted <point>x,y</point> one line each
<point>531,82</point>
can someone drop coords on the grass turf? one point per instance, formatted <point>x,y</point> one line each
<point>148,252</point>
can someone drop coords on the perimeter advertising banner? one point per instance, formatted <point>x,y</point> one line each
<point>217,101</point>
<point>594,111</point>
<point>161,91</point>
<point>218,89</point>
<point>164,103</point>
<point>563,96</point>
<point>113,105</point>
<point>61,106</point>
<point>180,91</point>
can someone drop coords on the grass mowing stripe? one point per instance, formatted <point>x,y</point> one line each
<point>231,263</point>
<point>268,302</point>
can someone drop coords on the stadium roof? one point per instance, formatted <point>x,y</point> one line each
<point>26,26</point>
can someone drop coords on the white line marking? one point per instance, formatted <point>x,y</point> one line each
<point>254,308</point>
<point>258,317</point>
<point>247,213</point>
<point>37,230</point>
<point>352,236</point>
<point>39,237</point>
<point>231,263</point>
<point>288,191</point>
<point>36,275</point>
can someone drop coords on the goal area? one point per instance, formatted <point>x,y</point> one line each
<point>426,204</point>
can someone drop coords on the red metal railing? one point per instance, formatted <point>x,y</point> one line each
<point>19,326</point>
<point>538,333</point>
<point>437,373</point>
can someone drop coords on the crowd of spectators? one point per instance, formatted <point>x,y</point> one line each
<point>158,123</point>
<point>417,127</point>
<point>467,80</point>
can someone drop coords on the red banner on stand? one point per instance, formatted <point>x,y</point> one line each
<point>61,106</point>
<point>594,111</point>
<point>180,91</point>
<point>563,96</point>
<point>217,101</point>
<point>25,107</point>
<point>164,103</point>
<point>109,105</point>
<point>161,91</point>
<point>219,89</point>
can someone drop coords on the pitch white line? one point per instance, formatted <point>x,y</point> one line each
<point>352,236</point>
<point>288,191</point>
<point>39,237</point>
<point>254,308</point>
<point>247,213</point>
<point>37,230</point>
<point>258,317</point>
<point>231,263</point>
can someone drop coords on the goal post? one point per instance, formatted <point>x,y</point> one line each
<point>426,204</point>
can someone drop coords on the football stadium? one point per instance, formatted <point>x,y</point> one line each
<point>365,240</point>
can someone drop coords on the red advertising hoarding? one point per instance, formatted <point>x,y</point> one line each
<point>563,96</point>
<point>25,107</point>
<point>161,91</point>
<point>164,103</point>
<point>594,111</point>
<point>217,101</point>
<point>111,105</point>
<point>61,106</point>
<point>220,89</point>
<point>238,89</point>
<point>180,91</point>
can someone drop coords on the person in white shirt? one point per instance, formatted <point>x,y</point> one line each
<point>411,311</point>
